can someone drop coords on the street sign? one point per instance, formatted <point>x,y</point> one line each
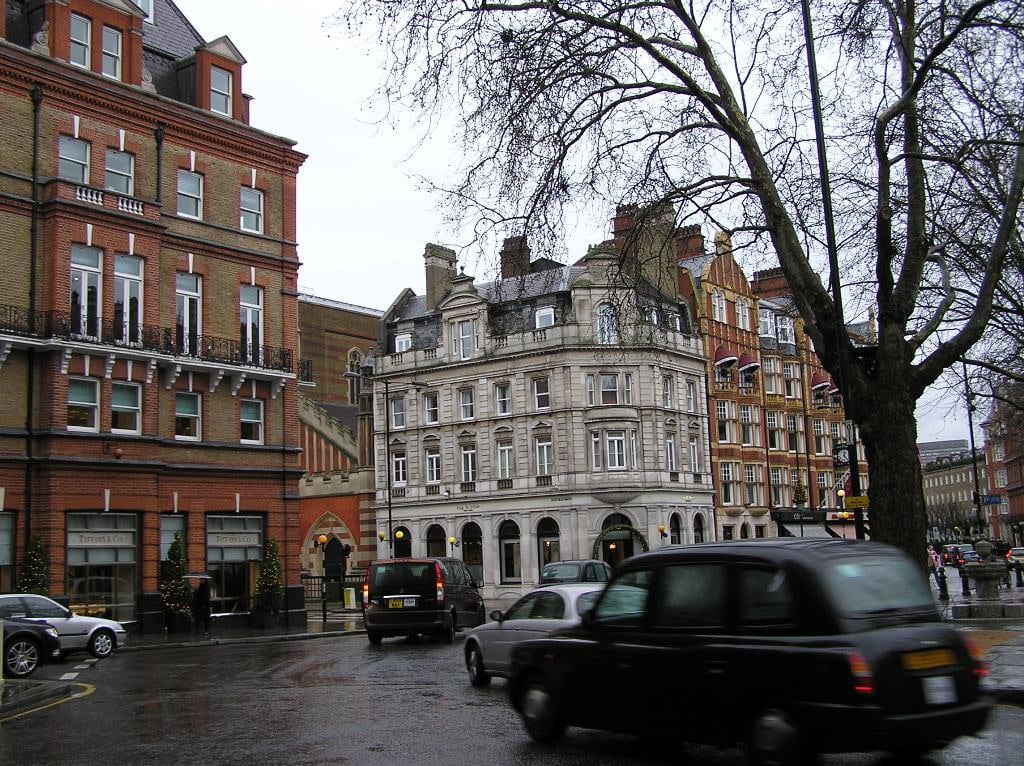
<point>857,501</point>
<point>991,500</point>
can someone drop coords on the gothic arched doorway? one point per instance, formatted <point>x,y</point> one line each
<point>336,558</point>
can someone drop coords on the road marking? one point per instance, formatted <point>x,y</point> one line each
<point>82,667</point>
<point>69,677</point>
<point>93,661</point>
<point>87,689</point>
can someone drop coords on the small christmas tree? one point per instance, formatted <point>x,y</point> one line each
<point>34,576</point>
<point>174,591</point>
<point>270,583</point>
<point>799,492</point>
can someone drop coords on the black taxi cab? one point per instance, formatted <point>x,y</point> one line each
<point>794,646</point>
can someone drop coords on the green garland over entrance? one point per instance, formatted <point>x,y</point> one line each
<point>617,528</point>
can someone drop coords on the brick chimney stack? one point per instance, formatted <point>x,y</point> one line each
<point>689,243</point>
<point>515,257</point>
<point>440,267</point>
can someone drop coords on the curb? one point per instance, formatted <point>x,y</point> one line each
<point>36,692</point>
<point>243,640</point>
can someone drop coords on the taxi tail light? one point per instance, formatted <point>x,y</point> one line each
<point>366,589</point>
<point>977,654</point>
<point>860,670</point>
<point>440,582</point>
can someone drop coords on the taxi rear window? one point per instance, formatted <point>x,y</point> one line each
<point>876,585</point>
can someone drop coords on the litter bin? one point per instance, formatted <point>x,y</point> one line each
<point>350,598</point>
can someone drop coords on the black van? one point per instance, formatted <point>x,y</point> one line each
<point>435,596</point>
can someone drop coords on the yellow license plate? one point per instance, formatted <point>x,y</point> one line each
<point>926,660</point>
<point>396,603</point>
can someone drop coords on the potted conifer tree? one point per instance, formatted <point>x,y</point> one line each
<point>34,576</point>
<point>174,590</point>
<point>269,596</point>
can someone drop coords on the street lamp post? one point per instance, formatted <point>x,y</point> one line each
<point>387,449</point>
<point>974,460</point>
<point>843,513</point>
<point>454,543</point>
<point>320,541</point>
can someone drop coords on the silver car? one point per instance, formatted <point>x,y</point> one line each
<point>488,647</point>
<point>95,634</point>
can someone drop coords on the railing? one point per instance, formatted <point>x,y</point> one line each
<point>305,371</point>
<point>433,489</point>
<point>173,341</point>
<point>504,483</point>
<point>314,586</point>
<point>398,492</point>
<point>467,486</point>
<point>85,194</point>
<point>543,481</point>
<point>130,205</point>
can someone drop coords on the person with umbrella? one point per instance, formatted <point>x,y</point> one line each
<point>201,605</point>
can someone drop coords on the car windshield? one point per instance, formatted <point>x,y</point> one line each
<point>560,572</point>
<point>964,548</point>
<point>875,585</point>
<point>402,577</point>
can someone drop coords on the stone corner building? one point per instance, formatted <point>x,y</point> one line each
<point>550,414</point>
<point>147,311</point>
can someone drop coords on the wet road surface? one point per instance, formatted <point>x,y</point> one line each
<point>341,701</point>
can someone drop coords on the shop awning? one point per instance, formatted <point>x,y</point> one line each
<point>819,380</point>
<point>725,357</point>
<point>749,363</point>
<point>809,529</point>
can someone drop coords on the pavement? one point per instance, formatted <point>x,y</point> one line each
<point>1002,640</point>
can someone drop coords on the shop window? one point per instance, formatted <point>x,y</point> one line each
<point>436,541</point>
<point>473,551</point>
<point>509,545</point>
<point>234,555</point>
<point>548,546</point>
<point>102,570</point>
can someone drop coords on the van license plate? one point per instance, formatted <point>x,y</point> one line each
<point>401,603</point>
<point>939,690</point>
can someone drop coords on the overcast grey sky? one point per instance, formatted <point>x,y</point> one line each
<point>363,219</point>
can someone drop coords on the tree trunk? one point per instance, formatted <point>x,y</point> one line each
<point>897,512</point>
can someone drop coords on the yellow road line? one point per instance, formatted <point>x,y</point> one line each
<point>87,689</point>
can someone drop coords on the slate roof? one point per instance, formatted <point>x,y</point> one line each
<point>346,414</point>
<point>171,34</point>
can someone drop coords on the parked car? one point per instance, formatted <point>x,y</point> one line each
<point>100,637</point>
<point>26,646</point>
<point>949,555</point>
<point>435,596</point>
<point>1015,558</point>
<point>581,570</point>
<point>550,607</point>
<point>967,557</point>
<point>797,646</point>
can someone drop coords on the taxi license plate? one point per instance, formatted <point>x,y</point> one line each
<point>928,660</point>
<point>939,690</point>
<point>401,603</point>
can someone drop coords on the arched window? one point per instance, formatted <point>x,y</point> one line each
<point>744,531</point>
<point>511,561</point>
<point>607,324</point>
<point>698,528</point>
<point>548,547</point>
<point>403,542</point>
<point>618,545</point>
<point>473,551</point>
<point>355,363</point>
<point>675,535</point>
<point>435,541</point>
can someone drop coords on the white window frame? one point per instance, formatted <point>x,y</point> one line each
<point>68,159</point>
<point>184,298</point>
<point>196,198</point>
<point>468,463</point>
<point>399,468</point>
<point>506,459</point>
<point>727,483</point>
<point>609,389</point>
<point>242,420</point>
<point>595,450</point>
<point>634,453</point>
<point>111,172</point>
<point>607,325</point>
<point>615,450</point>
<point>627,388</point>
<point>544,317</point>
<point>432,460</point>
<point>127,281</point>
<point>197,417</point>
<point>464,338</point>
<point>218,94</point>
<point>544,456</point>
<point>84,404</point>
<point>135,409</point>
<point>250,212</point>
<point>784,329</point>
<point>397,404</point>
<point>671,462</point>
<point>147,7</point>
<point>89,276</point>
<point>691,396</point>
<point>466,404</point>
<point>503,398</point>
<point>83,42</point>
<point>766,326</point>
<point>431,408</point>
<point>112,48</point>
<point>667,384</point>
<point>541,393</point>
<point>403,342</point>
<point>248,311</point>
<point>694,455</point>
<point>591,390</point>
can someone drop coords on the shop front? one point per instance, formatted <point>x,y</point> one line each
<point>234,555</point>
<point>102,564</point>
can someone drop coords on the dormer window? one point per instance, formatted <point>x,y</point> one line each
<point>112,53</point>
<point>545,317</point>
<point>81,32</point>
<point>220,91</point>
<point>147,8</point>
<point>403,342</point>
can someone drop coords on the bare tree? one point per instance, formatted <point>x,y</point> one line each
<point>703,107</point>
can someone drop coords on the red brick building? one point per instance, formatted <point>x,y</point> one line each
<point>148,315</point>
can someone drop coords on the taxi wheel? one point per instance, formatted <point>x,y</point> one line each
<point>775,741</point>
<point>540,712</point>
<point>374,637</point>
<point>21,657</point>
<point>101,644</point>
<point>475,667</point>
<point>448,630</point>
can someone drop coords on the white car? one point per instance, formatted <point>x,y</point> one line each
<point>488,647</point>
<point>95,634</point>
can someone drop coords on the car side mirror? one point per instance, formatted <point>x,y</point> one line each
<point>473,583</point>
<point>497,615</point>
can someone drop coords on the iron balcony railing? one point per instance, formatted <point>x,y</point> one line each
<point>129,333</point>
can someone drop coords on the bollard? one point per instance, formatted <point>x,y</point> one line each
<point>943,585</point>
<point>964,585</point>
<point>1020,576</point>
